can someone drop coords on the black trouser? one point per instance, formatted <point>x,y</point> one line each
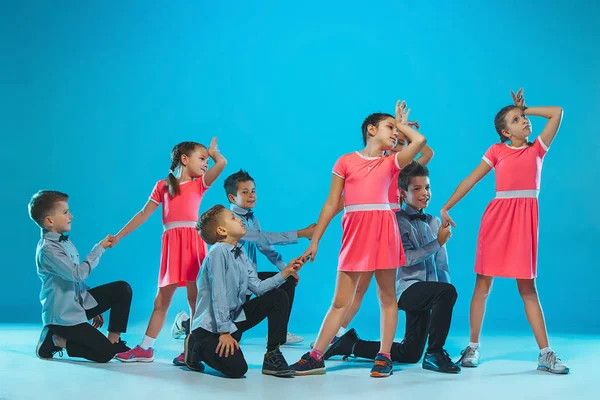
<point>289,287</point>
<point>83,340</point>
<point>273,305</point>
<point>428,307</point>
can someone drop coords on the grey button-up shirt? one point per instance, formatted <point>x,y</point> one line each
<point>223,283</point>
<point>426,260</point>
<point>64,295</point>
<point>256,239</point>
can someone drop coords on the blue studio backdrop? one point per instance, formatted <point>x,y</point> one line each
<point>95,94</point>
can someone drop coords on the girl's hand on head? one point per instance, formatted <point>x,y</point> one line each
<point>518,98</point>
<point>213,149</point>
<point>401,113</point>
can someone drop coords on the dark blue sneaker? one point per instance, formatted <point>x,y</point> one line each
<point>382,367</point>
<point>275,364</point>
<point>440,362</point>
<point>308,366</point>
<point>45,348</point>
<point>343,346</point>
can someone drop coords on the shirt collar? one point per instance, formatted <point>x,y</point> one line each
<point>226,246</point>
<point>410,210</point>
<point>50,235</point>
<point>238,210</point>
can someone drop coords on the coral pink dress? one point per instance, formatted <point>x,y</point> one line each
<point>370,239</point>
<point>507,245</point>
<point>183,250</point>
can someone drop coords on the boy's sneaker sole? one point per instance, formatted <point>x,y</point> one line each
<point>380,375</point>
<point>281,374</point>
<point>136,359</point>
<point>553,371</point>
<point>316,371</point>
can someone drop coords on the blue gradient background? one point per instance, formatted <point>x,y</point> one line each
<point>95,94</point>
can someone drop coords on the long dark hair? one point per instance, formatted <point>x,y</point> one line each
<point>179,150</point>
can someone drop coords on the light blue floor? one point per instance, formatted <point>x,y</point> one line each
<point>508,372</point>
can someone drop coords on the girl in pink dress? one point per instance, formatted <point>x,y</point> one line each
<point>508,236</point>
<point>182,250</point>
<point>395,204</point>
<point>371,241</point>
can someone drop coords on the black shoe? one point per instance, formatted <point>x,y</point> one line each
<point>45,348</point>
<point>343,346</point>
<point>276,365</point>
<point>186,326</point>
<point>121,347</point>
<point>191,355</point>
<point>440,362</point>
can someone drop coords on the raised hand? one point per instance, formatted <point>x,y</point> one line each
<point>518,98</point>
<point>213,149</point>
<point>401,113</point>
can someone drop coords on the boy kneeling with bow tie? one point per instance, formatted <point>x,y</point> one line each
<point>222,312</point>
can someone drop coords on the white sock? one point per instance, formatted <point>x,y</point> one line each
<point>147,342</point>
<point>473,345</point>
<point>341,331</point>
<point>545,351</point>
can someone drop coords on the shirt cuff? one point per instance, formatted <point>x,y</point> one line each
<point>278,279</point>
<point>98,250</point>
<point>280,265</point>
<point>224,327</point>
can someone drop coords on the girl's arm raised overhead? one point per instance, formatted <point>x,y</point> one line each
<point>463,188</point>
<point>553,113</point>
<point>137,220</point>
<point>426,155</point>
<point>329,210</point>
<point>417,141</point>
<point>213,172</point>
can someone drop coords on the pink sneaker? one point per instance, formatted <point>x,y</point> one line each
<point>180,360</point>
<point>137,354</point>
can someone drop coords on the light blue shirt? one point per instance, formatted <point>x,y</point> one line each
<point>426,260</point>
<point>256,239</point>
<point>223,283</point>
<point>64,295</point>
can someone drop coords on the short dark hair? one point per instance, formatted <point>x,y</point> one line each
<point>412,170</point>
<point>232,181</point>
<point>373,119</point>
<point>42,204</point>
<point>209,222</point>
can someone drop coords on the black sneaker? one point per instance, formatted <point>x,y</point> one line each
<point>192,360</point>
<point>276,365</point>
<point>186,326</point>
<point>343,346</point>
<point>308,366</point>
<point>440,362</point>
<point>45,348</point>
<point>121,347</point>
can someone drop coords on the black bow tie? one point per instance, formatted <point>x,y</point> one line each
<point>420,216</point>
<point>63,238</point>
<point>249,214</point>
<point>237,251</point>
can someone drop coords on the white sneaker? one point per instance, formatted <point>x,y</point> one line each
<point>550,362</point>
<point>178,330</point>
<point>469,357</point>
<point>293,339</point>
